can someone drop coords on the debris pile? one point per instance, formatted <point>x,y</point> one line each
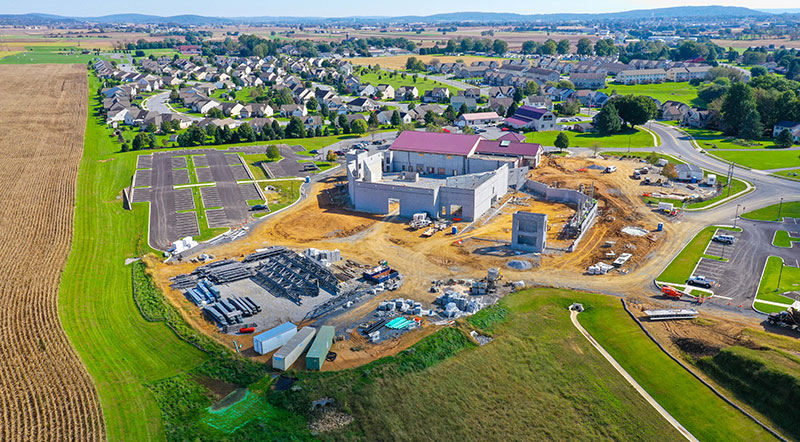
<point>404,306</point>
<point>456,304</point>
<point>519,264</point>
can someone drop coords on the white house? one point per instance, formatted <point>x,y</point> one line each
<point>791,126</point>
<point>478,118</point>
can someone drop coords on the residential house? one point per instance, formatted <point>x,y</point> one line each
<point>406,92</point>
<point>697,118</point>
<point>418,113</point>
<point>293,110</point>
<point>254,110</point>
<point>642,76</point>
<point>588,80</point>
<point>312,122</point>
<point>529,117</point>
<point>436,95</point>
<point>673,110</point>
<point>460,99</point>
<point>231,109</point>
<point>792,126</point>
<point>258,123</point>
<point>362,104</point>
<point>368,90</point>
<point>501,92</point>
<point>496,104</point>
<point>385,117</point>
<point>203,106</point>
<point>385,92</point>
<point>540,101</point>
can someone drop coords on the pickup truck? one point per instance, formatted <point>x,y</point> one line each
<point>700,281</point>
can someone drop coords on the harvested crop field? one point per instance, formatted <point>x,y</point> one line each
<point>46,394</point>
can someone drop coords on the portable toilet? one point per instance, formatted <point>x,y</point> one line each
<point>288,354</point>
<point>454,230</point>
<point>660,227</point>
<point>308,179</point>
<point>273,338</point>
<point>319,348</point>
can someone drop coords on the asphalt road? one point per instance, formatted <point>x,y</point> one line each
<point>158,103</point>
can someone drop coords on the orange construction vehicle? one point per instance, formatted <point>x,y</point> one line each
<point>671,292</point>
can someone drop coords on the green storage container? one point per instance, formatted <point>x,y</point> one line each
<point>319,348</point>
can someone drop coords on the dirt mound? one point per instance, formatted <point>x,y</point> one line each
<point>695,347</point>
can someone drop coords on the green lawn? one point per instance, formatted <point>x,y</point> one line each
<point>643,155</point>
<point>681,267</point>
<point>738,186</point>
<point>323,165</point>
<point>789,209</point>
<point>680,393</point>
<point>242,95</point>
<point>791,174</point>
<point>783,239</point>
<point>770,290</point>
<point>636,138</point>
<point>675,91</point>
<point>769,159</point>
<point>253,161</point>
<point>53,55</point>
<point>120,349</point>
<point>289,191</point>
<point>396,80</point>
<point>732,143</point>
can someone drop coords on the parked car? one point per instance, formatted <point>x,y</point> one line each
<point>700,281</point>
<point>724,239</point>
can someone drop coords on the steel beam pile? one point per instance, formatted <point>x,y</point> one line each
<point>225,271</point>
<point>264,254</point>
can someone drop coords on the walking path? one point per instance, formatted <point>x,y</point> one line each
<point>573,316</point>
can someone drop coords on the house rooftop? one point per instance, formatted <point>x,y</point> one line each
<point>436,143</point>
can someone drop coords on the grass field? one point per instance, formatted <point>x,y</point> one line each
<point>242,95</point>
<point>396,80</point>
<point>399,61</point>
<point>46,54</point>
<point>681,267</point>
<point>539,379</point>
<point>675,91</point>
<point>121,350</point>
<point>253,161</point>
<point>636,138</point>
<point>769,159</point>
<point>675,389</point>
<point>775,212</point>
<point>791,174</point>
<point>737,186</point>
<point>783,239</point>
<point>288,192</point>
<point>770,288</point>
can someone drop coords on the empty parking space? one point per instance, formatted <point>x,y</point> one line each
<point>723,250</point>
<point>249,191</point>
<point>144,162</point>
<point>204,175</point>
<point>180,177</point>
<point>184,200</point>
<point>232,159</point>
<point>141,195</point>
<point>186,224</point>
<point>239,173</point>
<point>179,162</point>
<point>217,218</point>
<point>791,221</point>
<point>210,196</point>
<point>710,268</point>
<point>200,160</point>
<point>142,178</point>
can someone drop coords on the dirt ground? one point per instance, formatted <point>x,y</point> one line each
<point>318,222</point>
<point>45,391</point>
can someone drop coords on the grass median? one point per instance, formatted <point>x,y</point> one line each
<point>777,278</point>
<point>775,212</point>
<point>783,239</point>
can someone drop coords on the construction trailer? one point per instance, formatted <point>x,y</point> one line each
<point>319,349</point>
<point>273,338</point>
<point>288,354</point>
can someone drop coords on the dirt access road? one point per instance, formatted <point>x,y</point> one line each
<point>46,393</point>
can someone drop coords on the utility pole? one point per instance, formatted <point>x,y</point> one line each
<point>779,277</point>
<point>730,178</point>
<point>737,216</point>
<point>780,207</point>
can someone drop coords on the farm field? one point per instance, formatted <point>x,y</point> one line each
<point>636,137</point>
<point>47,54</point>
<point>774,282</point>
<point>121,350</point>
<point>398,62</point>
<point>676,91</point>
<point>771,159</point>
<point>789,209</point>
<point>47,393</point>
<point>396,80</point>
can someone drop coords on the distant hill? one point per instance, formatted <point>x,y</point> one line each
<point>481,17</point>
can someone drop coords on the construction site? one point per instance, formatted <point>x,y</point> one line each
<point>607,223</point>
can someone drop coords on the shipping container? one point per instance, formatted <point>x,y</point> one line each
<point>274,338</point>
<point>319,349</point>
<point>288,354</point>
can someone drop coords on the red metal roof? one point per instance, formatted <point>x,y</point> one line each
<point>436,142</point>
<point>508,147</point>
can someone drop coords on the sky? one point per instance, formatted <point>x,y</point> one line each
<point>344,8</point>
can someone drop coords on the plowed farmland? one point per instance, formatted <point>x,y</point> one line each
<point>46,394</point>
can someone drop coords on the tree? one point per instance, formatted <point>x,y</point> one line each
<point>174,96</point>
<point>373,120</point>
<point>165,127</point>
<point>358,126</point>
<point>511,110</point>
<point>738,102</point>
<point>529,47</point>
<point>562,141</point>
<point>467,130</point>
<point>501,110</point>
<point>635,109</point>
<point>295,128</point>
<point>246,133</point>
<point>414,64</point>
<point>463,109</point>
<point>215,112</point>
<point>323,110</point>
<point>312,104</point>
<point>518,95</point>
<point>125,147</point>
<point>584,47</point>
<point>277,129</point>
<point>563,46</point>
<point>565,84</point>
<point>396,120</point>
<point>669,171</point>
<point>341,121</point>
<point>607,121</point>
<point>273,153</point>
<point>784,139</point>
<point>605,47</point>
<point>531,88</point>
<point>757,71</point>
<point>151,128</point>
<point>138,142</point>
<point>499,47</point>
<point>751,128</point>
<point>549,47</point>
<point>450,113</point>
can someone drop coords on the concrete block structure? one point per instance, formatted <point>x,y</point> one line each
<point>438,173</point>
<point>529,231</point>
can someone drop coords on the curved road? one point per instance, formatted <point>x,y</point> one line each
<point>158,103</point>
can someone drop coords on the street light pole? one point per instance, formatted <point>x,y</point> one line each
<point>780,207</point>
<point>737,216</point>
<point>779,278</point>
